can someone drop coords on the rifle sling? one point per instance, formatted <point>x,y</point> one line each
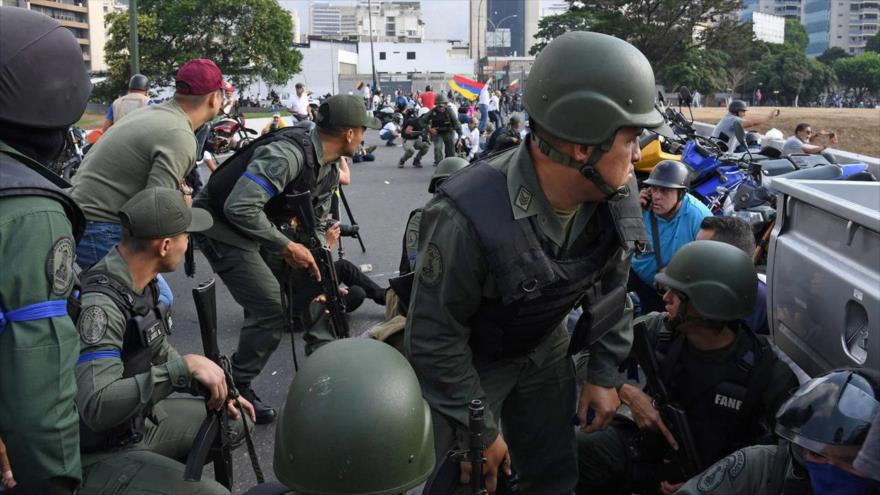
<point>252,451</point>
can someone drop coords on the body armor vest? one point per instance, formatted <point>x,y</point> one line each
<point>18,178</point>
<point>124,105</point>
<point>223,180</point>
<point>722,401</point>
<point>146,321</point>
<point>537,289</point>
<point>442,120</point>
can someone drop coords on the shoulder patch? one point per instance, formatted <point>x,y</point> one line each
<point>432,269</point>
<point>275,169</point>
<point>92,325</point>
<point>714,475</point>
<point>59,266</point>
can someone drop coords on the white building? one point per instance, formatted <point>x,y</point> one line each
<point>296,28</point>
<point>405,58</point>
<point>399,21</point>
<point>333,19</point>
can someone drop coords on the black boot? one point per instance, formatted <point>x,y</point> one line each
<point>264,414</point>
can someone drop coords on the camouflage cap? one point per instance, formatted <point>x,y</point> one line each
<point>161,212</point>
<point>345,111</point>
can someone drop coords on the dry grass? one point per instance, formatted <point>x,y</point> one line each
<point>858,129</point>
<point>91,121</point>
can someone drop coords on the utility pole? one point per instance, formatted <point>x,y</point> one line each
<point>372,50</point>
<point>133,38</point>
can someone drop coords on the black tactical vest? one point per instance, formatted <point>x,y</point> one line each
<point>722,401</point>
<point>18,178</point>
<point>146,321</point>
<point>223,180</point>
<point>537,288</point>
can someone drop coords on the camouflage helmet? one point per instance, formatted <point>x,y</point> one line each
<point>441,98</point>
<point>445,168</point>
<point>360,401</point>
<point>611,87</point>
<point>717,279</point>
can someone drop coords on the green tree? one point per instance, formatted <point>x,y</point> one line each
<point>872,44</point>
<point>832,54</point>
<point>662,29</point>
<point>703,70</point>
<point>553,26</point>
<point>247,39</point>
<point>783,71</point>
<point>796,34</point>
<point>860,74</point>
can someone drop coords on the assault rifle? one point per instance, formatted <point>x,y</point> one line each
<point>675,418</point>
<point>301,206</point>
<point>213,438</point>
<point>448,475</point>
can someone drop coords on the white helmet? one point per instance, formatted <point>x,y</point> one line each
<point>774,134</point>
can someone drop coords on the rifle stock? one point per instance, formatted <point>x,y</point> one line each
<point>673,416</point>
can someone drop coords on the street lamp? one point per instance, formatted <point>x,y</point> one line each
<point>372,51</point>
<point>133,52</point>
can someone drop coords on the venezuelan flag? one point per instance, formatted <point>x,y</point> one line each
<point>468,88</point>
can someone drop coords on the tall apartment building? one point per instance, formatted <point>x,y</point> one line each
<point>333,20</point>
<point>296,26</point>
<point>392,21</point>
<point>829,23</point>
<point>84,18</point>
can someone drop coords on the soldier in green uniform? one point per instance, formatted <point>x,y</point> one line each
<point>390,331</point>
<point>727,382</point>
<point>245,196</point>
<point>132,436</point>
<point>822,428</point>
<point>511,245</point>
<point>39,226</point>
<point>360,400</point>
<point>442,123</point>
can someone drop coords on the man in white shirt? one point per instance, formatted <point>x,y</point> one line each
<point>391,130</point>
<point>472,140</point>
<point>484,105</point>
<point>299,104</point>
<point>494,109</point>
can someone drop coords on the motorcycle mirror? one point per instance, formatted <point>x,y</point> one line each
<point>660,98</point>
<point>684,94</point>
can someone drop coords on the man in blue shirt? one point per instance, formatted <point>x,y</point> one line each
<point>672,219</point>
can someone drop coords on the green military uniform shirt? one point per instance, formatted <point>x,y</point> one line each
<point>153,147</point>
<point>105,398</point>
<point>38,418</point>
<point>278,164</point>
<point>453,278</point>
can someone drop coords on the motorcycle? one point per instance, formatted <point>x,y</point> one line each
<point>230,134</point>
<point>75,148</point>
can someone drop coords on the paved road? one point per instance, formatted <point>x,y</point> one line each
<point>381,196</point>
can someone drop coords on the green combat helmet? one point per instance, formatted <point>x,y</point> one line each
<point>441,98</point>
<point>354,422</point>
<point>445,168</point>
<point>718,279</point>
<point>610,87</point>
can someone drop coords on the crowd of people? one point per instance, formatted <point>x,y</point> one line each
<point>513,291</point>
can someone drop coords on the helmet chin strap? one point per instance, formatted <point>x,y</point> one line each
<point>587,168</point>
<point>681,318</point>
